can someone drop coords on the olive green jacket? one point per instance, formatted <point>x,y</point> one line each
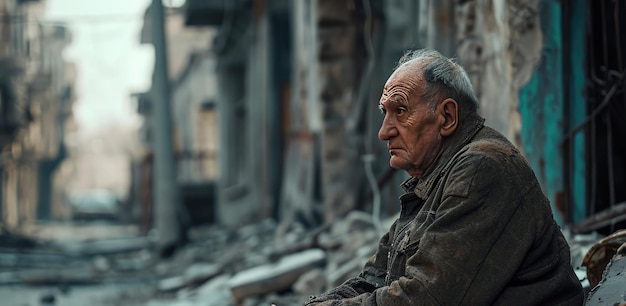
<point>476,229</point>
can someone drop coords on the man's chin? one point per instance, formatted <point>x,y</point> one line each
<point>396,164</point>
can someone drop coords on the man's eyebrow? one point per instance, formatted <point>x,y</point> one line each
<point>394,101</point>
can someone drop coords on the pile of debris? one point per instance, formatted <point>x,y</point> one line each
<point>263,264</point>
<point>260,264</point>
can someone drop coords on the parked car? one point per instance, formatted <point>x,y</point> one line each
<point>95,204</point>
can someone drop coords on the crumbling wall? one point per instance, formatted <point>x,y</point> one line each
<point>324,104</point>
<point>499,43</point>
<point>338,80</point>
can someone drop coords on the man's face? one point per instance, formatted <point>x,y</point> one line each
<point>410,127</point>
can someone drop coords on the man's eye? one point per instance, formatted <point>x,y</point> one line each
<point>400,110</point>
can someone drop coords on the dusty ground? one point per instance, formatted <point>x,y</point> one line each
<point>92,295</point>
<point>134,291</point>
<point>105,263</point>
<point>78,231</point>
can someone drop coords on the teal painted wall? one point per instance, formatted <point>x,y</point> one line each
<point>577,108</point>
<point>543,112</point>
<point>541,108</point>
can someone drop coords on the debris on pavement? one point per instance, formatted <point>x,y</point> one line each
<point>611,288</point>
<point>258,264</point>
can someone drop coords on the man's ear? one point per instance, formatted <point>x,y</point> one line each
<point>449,109</point>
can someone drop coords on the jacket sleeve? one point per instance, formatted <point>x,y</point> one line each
<point>472,249</point>
<point>371,277</point>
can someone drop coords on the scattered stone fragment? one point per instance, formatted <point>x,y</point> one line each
<point>217,283</point>
<point>199,272</point>
<point>275,276</point>
<point>612,289</point>
<point>172,283</point>
<point>70,275</point>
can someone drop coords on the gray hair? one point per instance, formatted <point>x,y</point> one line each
<point>443,76</point>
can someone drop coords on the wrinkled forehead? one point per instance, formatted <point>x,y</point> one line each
<point>407,77</point>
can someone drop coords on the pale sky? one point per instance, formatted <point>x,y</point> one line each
<point>111,63</point>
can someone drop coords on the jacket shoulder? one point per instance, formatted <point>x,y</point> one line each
<point>489,141</point>
<point>489,158</point>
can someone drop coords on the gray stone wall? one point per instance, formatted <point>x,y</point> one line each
<point>499,43</point>
<point>339,67</point>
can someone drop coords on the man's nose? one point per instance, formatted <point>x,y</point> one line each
<point>387,129</point>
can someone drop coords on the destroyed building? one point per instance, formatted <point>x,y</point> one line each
<point>274,123</point>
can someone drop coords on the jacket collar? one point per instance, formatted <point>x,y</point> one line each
<point>422,187</point>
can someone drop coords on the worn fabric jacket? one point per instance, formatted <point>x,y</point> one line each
<point>476,229</point>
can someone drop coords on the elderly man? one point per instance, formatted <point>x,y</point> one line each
<point>475,227</point>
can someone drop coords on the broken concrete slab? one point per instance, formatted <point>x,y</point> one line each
<point>28,259</point>
<point>74,273</point>
<point>70,275</point>
<point>105,247</point>
<point>172,283</point>
<point>194,274</point>
<point>134,261</point>
<point>612,289</point>
<point>199,272</point>
<point>218,283</point>
<point>274,276</point>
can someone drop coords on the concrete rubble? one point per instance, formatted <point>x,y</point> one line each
<point>611,290</point>
<point>252,265</point>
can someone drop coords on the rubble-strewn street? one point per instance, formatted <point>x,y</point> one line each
<point>197,152</point>
<point>108,264</point>
<point>260,264</point>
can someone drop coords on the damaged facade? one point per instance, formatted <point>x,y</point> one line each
<point>298,83</point>
<point>274,119</point>
<point>36,96</point>
<point>194,134</point>
<point>293,88</point>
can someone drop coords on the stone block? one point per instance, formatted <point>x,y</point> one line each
<point>612,289</point>
<point>199,272</point>
<point>172,283</point>
<point>69,275</point>
<point>218,283</point>
<point>274,276</point>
